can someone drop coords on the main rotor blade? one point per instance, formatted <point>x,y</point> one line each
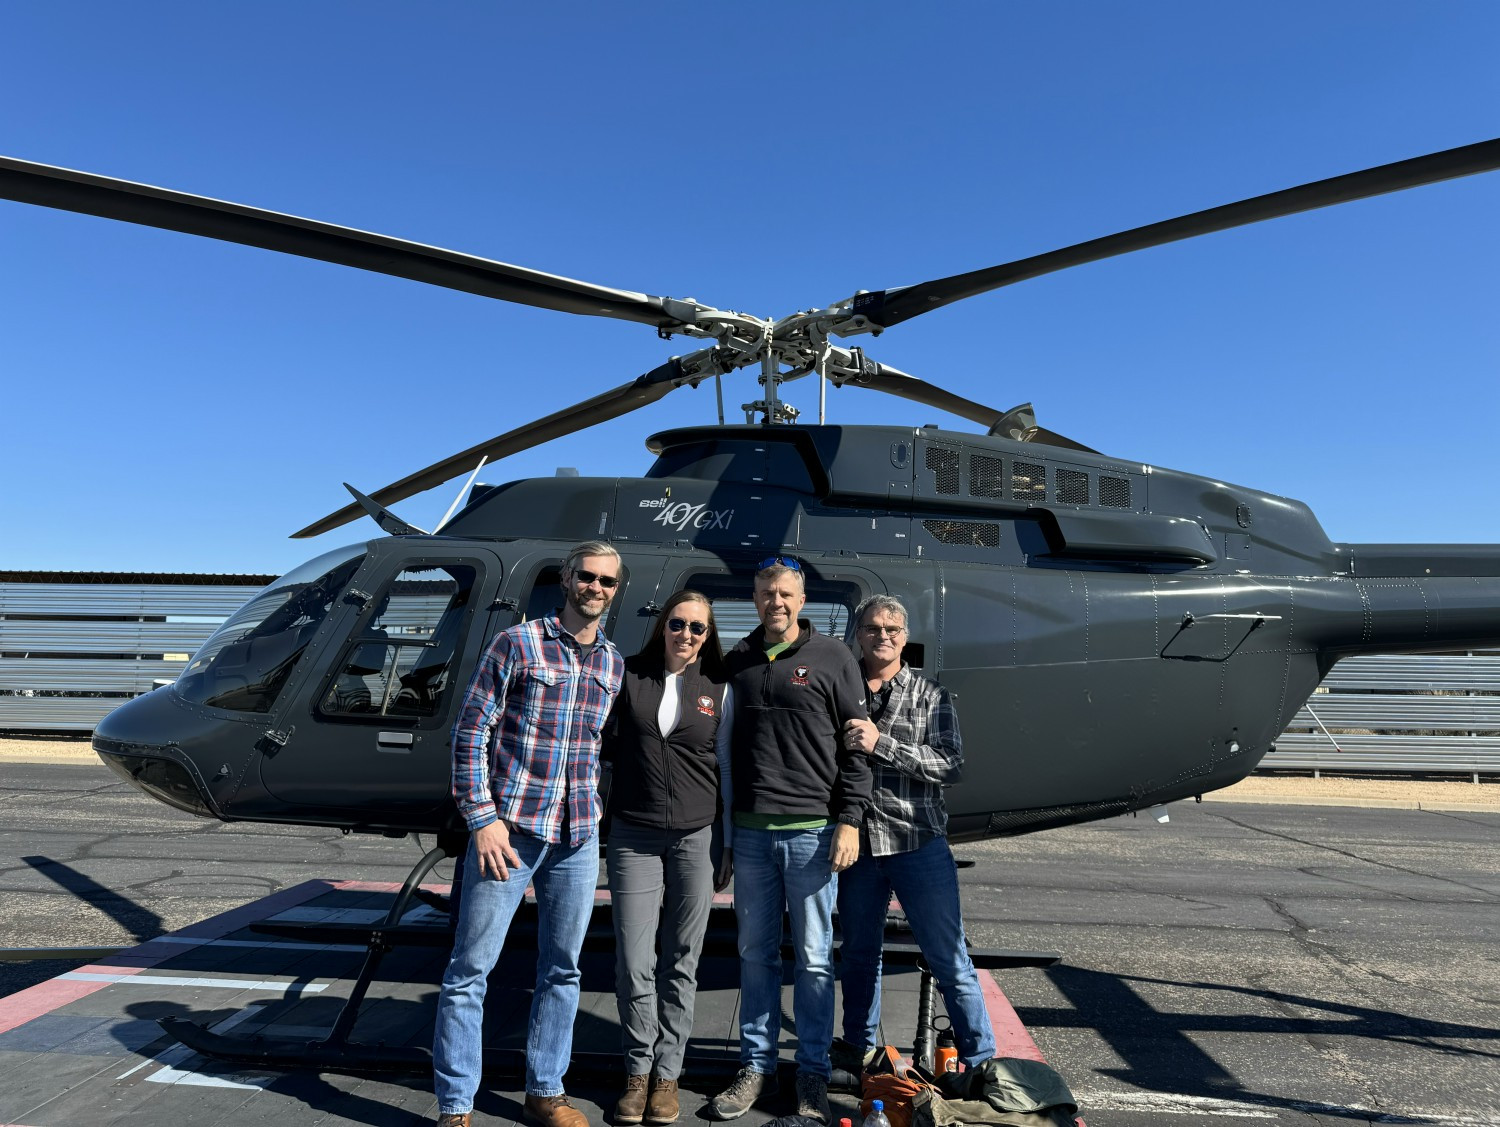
<point>891,307</point>
<point>879,377</point>
<point>105,196</point>
<point>611,404</point>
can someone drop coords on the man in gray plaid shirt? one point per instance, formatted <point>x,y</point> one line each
<point>913,745</point>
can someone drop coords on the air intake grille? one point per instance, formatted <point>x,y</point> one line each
<point>970,533</point>
<point>1115,492</point>
<point>944,463</point>
<point>1028,481</point>
<point>1072,487</point>
<point>986,476</point>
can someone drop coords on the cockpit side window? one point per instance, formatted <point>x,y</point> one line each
<point>248,660</point>
<point>401,663</point>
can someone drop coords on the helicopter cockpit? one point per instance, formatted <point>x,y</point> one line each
<point>248,660</point>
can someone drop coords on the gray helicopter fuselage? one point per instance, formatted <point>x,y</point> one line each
<point>1117,635</point>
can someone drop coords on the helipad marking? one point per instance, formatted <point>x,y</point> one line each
<point>289,986</point>
<point>191,1078</point>
<point>1165,1103</point>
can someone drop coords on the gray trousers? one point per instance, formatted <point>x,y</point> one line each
<point>661,886</point>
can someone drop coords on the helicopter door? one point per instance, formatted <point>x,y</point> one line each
<point>371,733</point>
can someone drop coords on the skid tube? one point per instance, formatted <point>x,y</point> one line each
<point>339,1052</point>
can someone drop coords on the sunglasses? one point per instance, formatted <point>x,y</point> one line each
<point>608,582</point>
<point>888,631</point>
<point>778,561</point>
<point>678,625</point>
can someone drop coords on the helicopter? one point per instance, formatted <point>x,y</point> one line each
<point>1118,635</point>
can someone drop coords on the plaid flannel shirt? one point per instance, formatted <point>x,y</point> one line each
<point>526,743</point>
<point>918,753</point>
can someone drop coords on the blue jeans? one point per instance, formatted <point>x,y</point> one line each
<point>925,880</point>
<point>772,869</point>
<point>563,878</point>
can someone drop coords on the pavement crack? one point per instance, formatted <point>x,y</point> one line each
<point>1483,892</point>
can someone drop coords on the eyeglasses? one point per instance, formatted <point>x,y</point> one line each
<point>778,561</point>
<point>608,582</point>
<point>888,631</point>
<point>678,625</point>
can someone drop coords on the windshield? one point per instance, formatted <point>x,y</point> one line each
<point>244,665</point>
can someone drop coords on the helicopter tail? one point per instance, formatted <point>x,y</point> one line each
<point>1422,597</point>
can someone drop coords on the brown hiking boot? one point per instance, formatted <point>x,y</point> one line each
<point>455,1119</point>
<point>553,1111</point>
<point>632,1102</point>
<point>662,1106</point>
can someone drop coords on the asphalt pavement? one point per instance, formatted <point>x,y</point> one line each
<point>1276,963</point>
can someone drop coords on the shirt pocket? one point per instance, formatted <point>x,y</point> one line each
<point>594,708</point>
<point>543,693</point>
<point>903,726</point>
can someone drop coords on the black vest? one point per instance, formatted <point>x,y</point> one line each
<point>664,782</point>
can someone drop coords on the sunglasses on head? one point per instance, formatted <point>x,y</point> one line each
<point>678,625</point>
<point>778,561</point>
<point>608,582</point>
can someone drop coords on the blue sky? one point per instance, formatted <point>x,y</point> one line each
<point>172,404</point>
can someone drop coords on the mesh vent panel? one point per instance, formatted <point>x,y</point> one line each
<point>970,533</point>
<point>986,476</point>
<point>944,463</point>
<point>1072,487</point>
<point>1028,481</point>
<point>1114,491</point>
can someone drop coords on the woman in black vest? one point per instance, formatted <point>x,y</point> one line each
<point>669,790</point>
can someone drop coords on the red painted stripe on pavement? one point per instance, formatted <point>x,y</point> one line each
<point>1011,1038</point>
<point>44,997</point>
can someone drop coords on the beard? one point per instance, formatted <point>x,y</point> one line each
<point>586,603</point>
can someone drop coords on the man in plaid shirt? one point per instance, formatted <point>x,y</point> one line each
<point>525,778</point>
<point>912,742</point>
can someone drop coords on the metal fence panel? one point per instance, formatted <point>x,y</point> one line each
<point>55,714</point>
<point>54,636</point>
<point>121,598</point>
<point>98,675</point>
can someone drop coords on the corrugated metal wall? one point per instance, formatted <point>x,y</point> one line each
<point>70,652</point>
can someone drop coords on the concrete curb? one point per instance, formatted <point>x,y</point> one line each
<point>1347,800</point>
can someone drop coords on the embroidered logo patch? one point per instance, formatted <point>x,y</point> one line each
<point>706,705</point>
<point>799,675</point>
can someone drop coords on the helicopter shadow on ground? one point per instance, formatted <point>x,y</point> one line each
<point>399,1011</point>
<point>141,923</point>
<point>1161,1055</point>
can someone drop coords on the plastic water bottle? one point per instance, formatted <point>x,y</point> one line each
<point>877,1118</point>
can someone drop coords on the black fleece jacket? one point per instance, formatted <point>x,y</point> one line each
<point>787,757</point>
<point>666,782</point>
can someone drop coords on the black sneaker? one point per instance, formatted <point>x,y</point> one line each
<point>812,1096</point>
<point>746,1087</point>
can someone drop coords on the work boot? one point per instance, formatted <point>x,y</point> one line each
<point>847,1062</point>
<point>662,1106</point>
<point>455,1119</point>
<point>812,1096</point>
<point>553,1111</point>
<point>632,1103</point>
<point>746,1087</point>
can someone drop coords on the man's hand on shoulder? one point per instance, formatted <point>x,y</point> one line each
<point>845,848</point>
<point>492,847</point>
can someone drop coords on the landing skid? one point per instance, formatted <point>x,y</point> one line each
<point>339,1052</point>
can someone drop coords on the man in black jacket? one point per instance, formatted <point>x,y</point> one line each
<point>799,798</point>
